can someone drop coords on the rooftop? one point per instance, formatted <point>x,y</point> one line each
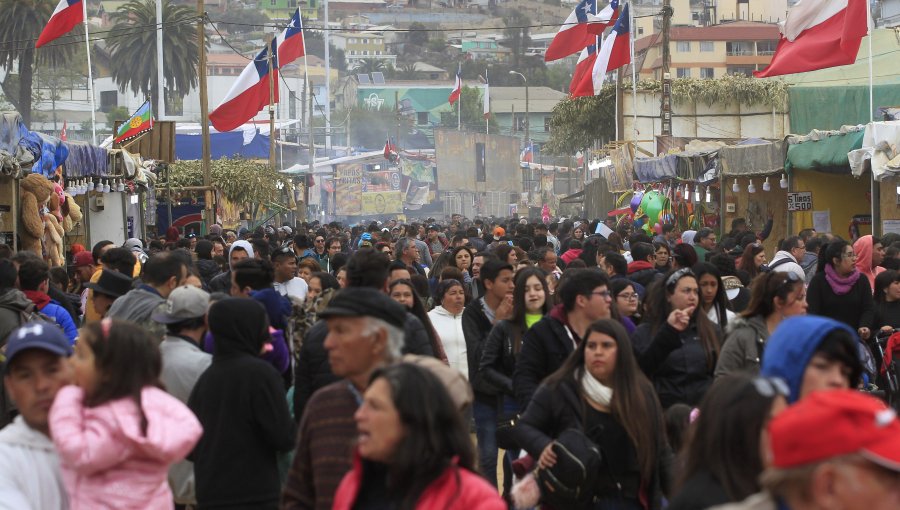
<point>736,31</point>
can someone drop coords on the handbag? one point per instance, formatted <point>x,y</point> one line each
<point>570,483</point>
<point>504,433</point>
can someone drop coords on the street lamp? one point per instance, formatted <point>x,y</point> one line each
<point>527,111</point>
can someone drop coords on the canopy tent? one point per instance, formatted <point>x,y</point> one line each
<point>222,145</point>
<point>824,151</point>
<point>830,98</point>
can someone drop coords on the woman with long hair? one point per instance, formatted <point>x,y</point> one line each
<point>600,391</point>
<point>404,292</point>
<point>887,300</point>
<point>838,292</point>
<point>446,317</point>
<point>625,298</point>
<point>461,258</point>
<point>774,296</point>
<point>753,260</point>
<point>713,300</point>
<point>663,256</point>
<point>507,253</point>
<point>730,426</point>
<point>413,450</point>
<point>677,345</point>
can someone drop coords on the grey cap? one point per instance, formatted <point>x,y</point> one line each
<point>184,303</point>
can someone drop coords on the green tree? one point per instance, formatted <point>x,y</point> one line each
<point>406,71</point>
<point>117,113</point>
<point>577,122</point>
<point>370,65</point>
<point>517,38</point>
<point>21,22</point>
<point>132,53</point>
<point>417,36</point>
<point>472,116</point>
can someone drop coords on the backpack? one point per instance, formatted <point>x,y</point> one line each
<point>31,314</point>
<point>571,481</point>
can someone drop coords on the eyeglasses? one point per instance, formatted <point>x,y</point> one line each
<point>628,295</point>
<point>605,294</point>
<point>320,240</point>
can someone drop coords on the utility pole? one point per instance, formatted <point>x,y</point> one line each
<point>666,106</point>
<point>270,57</point>
<point>208,194</point>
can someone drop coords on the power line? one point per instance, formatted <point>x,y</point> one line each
<point>26,44</point>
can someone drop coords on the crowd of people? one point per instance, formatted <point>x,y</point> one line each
<point>468,364</point>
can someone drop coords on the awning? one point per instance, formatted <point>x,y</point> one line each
<point>752,159</point>
<point>879,146</point>
<point>574,198</point>
<point>826,154</point>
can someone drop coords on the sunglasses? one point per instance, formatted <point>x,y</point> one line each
<point>320,240</point>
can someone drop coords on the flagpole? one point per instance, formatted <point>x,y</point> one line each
<point>631,32</point>
<point>487,103</point>
<point>87,44</point>
<point>160,84</point>
<point>459,99</point>
<point>270,58</point>
<point>872,188</point>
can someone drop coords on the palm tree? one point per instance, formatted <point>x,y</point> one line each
<point>369,65</point>
<point>21,22</point>
<point>132,53</point>
<point>407,71</point>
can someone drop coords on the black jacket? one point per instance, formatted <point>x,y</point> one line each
<point>645,276</point>
<point>700,492</point>
<point>208,270</point>
<point>545,346</point>
<point>675,362</point>
<point>498,361</point>
<point>476,328</point>
<point>555,409</point>
<point>855,308</point>
<point>312,371</point>
<point>221,283</point>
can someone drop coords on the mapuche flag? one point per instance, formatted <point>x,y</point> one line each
<point>136,125</point>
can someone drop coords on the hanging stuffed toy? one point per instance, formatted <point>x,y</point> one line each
<point>34,193</point>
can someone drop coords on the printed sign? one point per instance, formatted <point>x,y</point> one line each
<point>800,201</point>
<point>386,202</point>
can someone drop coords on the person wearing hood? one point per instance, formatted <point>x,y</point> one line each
<point>643,269</point>
<point>163,273</point>
<point>238,251</point>
<point>116,431</point>
<point>137,247</point>
<point>812,353</point>
<point>788,258</point>
<point>869,256</point>
<point>839,290</point>
<point>240,402</point>
<point>775,296</point>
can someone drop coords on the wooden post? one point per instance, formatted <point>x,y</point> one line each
<point>208,196</point>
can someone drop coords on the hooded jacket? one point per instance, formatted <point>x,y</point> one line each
<point>792,345</point>
<point>138,306</point>
<point>222,282</point>
<point>789,265</point>
<point>643,272</point>
<point>571,254</point>
<point>544,349</point>
<point>240,402</point>
<point>55,311</point>
<point>743,347</point>
<point>107,461</point>
<point>863,249</point>
<point>29,469</point>
<point>449,329</point>
<point>12,304</point>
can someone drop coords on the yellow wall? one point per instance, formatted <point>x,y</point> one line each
<point>844,195</point>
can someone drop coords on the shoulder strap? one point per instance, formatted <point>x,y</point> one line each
<point>779,262</point>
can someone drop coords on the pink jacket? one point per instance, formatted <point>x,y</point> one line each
<point>107,462</point>
<point>455,489</point>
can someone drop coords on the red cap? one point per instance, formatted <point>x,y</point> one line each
<point>84,258</point>
<point>499,232</point>
<point>832,423</point>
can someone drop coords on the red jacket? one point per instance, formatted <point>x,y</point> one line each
<point>456,488</point>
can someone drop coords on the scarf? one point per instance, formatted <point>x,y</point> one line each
<point>595,390</point>
<point>840,284</point>
<point>37,297</point>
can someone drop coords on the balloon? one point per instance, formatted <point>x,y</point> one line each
<point>636,200</point>
<point>652,203</point>
<point>657,228</point>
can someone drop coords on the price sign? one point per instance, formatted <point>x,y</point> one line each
<point>800,201</point>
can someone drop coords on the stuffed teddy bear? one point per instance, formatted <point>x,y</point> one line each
<point>34,193</point>
<point>53,230</point>
<point>71,213</point>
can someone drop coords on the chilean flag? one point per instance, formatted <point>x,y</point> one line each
<point>614,53</point>
<point>606,18</point>
<point>249,94</point>
<point>290,42</point>
<point>527,154</point>
<point>819,34</point>
<point>68,13</point>
<point>584,65</point>
<point>457,88</point>
<point>580,29</point>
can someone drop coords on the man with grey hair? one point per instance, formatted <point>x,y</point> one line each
<point>408,252</point>
<point>365,332</point>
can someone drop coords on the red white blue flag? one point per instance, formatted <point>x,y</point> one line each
<point>614,53</point>
<point>581,28</point>
<point>290,41</point>
<point>249,94</point>
<point>584,65</point>
<point>457,88</point>
<point>68,13</point>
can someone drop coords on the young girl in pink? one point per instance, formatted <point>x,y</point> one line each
<point>116,431</point>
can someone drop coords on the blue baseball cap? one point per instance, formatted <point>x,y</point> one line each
<point>36,335</point>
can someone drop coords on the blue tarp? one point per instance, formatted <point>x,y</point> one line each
<point>222,145</point>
